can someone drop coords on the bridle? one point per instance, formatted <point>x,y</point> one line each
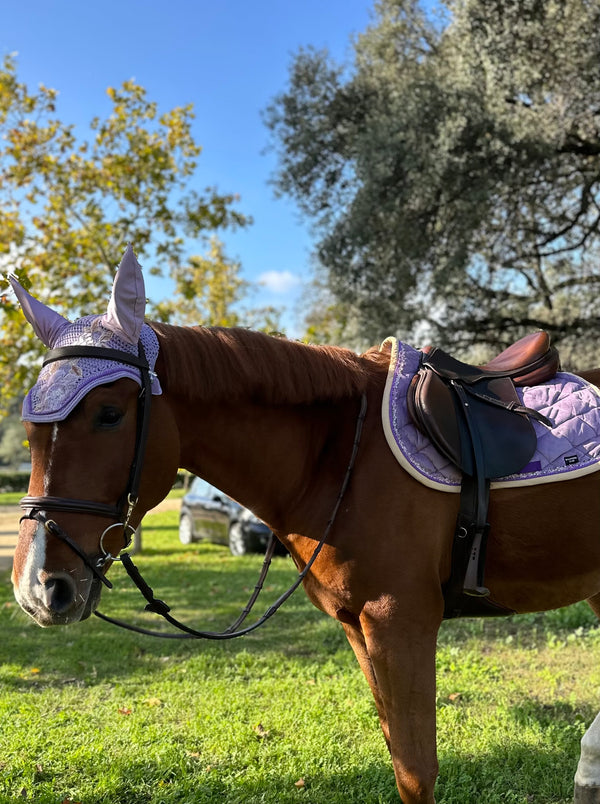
<point>36,508</point>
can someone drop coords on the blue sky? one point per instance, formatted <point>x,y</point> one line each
<point>227,57</point>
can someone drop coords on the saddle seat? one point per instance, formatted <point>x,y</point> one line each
<point>531,357</point>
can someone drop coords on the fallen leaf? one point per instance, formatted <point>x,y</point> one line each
<point>300,783</point>
<point>260,731</point>
<point>124,710</point>
<point>455,696</point>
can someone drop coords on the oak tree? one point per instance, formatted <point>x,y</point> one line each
<point>452,171</point>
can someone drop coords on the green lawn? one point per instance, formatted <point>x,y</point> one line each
<point>93,714</point>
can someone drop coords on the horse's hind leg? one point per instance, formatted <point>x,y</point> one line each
<point>587,778</point>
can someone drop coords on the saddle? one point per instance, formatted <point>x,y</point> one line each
<point>474,417</point>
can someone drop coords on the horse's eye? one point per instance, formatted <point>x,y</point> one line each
<point>109,417</point>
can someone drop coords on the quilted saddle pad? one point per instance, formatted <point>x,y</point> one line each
<point>569,449</point>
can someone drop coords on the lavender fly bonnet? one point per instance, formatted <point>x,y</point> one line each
<point>61,385</point>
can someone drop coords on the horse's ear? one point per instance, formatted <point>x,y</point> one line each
<point>127,305</point>
<point>47,323</point>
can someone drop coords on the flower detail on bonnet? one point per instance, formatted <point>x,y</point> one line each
<point>61,385</point>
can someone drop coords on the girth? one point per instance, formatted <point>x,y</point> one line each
<point>474,417</point>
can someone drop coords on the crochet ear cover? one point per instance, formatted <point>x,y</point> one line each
<point>47,324</point>
<point>63,384</point>
<point>127,304</point>
<point>124,315</point>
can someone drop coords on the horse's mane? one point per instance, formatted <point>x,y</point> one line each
<point>214,363</point>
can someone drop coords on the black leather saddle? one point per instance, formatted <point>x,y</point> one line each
<point>474,417</point>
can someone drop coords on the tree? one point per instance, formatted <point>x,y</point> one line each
<point>13,448</point>
<point>68,206</point>
<point>209,290</point>
<point>453,171</point>
<point>328,319</point>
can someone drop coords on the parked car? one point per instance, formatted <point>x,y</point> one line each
<point>209,514</point>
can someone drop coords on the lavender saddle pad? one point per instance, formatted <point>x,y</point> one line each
<point>567,450</point>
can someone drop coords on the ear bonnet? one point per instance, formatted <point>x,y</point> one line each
<point>62,384</point>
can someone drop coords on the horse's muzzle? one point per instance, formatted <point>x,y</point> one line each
<point>57,600</point>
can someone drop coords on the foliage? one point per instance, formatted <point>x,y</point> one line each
<point>91,714</point>
<point>453,171</point>
<point>13,445</point>
<point>14,482</point>
<point>329,319</point>
<point>208,291</point>
<point>69,201</point>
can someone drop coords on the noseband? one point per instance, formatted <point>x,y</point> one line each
<point>37,507</point>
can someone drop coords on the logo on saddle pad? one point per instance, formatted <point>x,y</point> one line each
<point>570,448</point>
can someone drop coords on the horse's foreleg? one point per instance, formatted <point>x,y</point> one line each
<point>402,654</point>
<point>587,778</point>
<point>357,642</point>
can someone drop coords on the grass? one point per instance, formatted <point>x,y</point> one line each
<point>95,715</point>
<point>11,497</point>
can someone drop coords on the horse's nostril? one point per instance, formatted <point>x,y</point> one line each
<point>59,593</point>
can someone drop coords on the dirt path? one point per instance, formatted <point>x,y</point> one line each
<point>9,526</point>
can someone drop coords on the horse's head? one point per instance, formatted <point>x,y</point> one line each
<point>89,422</point>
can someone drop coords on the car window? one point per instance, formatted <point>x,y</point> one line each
<point>200,488</point>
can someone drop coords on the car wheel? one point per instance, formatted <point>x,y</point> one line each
<point>186,529</point>
<point>237,541</point>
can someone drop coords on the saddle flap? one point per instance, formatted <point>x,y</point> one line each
<point>432,408</point>
<point>507,439</point>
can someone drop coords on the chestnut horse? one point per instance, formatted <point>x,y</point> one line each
<point>272,423</point>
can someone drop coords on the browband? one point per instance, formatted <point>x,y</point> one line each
<point>99,352</point>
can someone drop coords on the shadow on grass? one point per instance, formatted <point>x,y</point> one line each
<point>372,784</point>
<point>515,771</point>
<point>507,774</point>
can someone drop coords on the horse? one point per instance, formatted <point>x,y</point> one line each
<point>273,423</point>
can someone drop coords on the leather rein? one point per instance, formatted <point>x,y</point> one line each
<point>36,508</point>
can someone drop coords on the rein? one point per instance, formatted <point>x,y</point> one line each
<point>36,507</point>
<point>157,606</point>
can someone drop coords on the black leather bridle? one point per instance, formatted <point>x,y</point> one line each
<point>36,507</point>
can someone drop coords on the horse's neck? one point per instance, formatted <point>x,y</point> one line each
<point>248,414</point>
<point>266,457</point>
